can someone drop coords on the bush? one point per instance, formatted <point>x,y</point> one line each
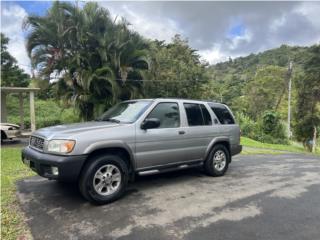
<point>273,129</point>
<point>268,129</point>
<point>48,113</point>
<point>249,128</point>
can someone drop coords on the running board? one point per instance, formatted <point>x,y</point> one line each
<point>169,169</point>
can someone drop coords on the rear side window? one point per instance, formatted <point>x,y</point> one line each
<point>223,114</point>
<point>197,114</point>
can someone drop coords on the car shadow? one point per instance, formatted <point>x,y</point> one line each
<point>52,194</point>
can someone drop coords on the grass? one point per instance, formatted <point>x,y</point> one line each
<point>249,151</point>
<point>293,147</point>
<point>12,220</point>
<point>252,143</point>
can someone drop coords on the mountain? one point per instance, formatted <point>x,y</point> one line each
<point>257,82</point>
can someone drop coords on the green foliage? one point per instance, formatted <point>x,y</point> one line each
<point>307,111</point>
<point>292,147</point>
<point>249,128</point>
<point>95,58</point>
<point>255,83</point>
<point>268,129</point>
<point>271,124</point>
<point>265,91</point>
<point>177,69</point>
<point>13,225</point>
<point>48,113</point>
<point>11,74</point>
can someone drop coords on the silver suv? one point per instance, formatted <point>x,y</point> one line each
<point>141,137</point>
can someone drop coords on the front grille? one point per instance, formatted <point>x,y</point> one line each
<point>36,142</point>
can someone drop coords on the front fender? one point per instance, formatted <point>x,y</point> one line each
<point>111,144</point>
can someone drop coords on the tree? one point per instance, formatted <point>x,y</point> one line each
<point>11,74</point>
<point>95,57</point>
<point>307,112</point>
<point>176,70</point>
<point>266,89</point>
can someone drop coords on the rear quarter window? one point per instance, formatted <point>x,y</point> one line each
<point>223,114</point>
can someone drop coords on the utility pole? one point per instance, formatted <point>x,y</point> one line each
<point>289,99</point>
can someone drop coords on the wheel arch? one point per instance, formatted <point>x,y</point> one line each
<point>117,148</point>
<point>219,140</point>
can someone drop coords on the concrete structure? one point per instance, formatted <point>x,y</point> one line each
<point>19,90</point>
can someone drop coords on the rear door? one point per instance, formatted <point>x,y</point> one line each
<point>199,131</point>
<point>228,125</point>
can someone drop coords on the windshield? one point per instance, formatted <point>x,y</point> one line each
<point>125,112</point>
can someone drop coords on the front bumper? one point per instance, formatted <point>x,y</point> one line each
<point>13,133</point>
<point>68,166</point>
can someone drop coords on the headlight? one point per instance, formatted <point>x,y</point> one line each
<point>61,146</point>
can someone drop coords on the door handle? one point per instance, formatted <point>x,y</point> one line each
<point>182,132</point>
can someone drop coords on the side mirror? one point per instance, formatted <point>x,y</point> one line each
<point>149,123</point>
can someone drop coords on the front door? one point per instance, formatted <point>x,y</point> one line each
<point>162,145</point>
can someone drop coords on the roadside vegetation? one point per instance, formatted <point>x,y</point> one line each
<point>12,220</point>
<point>49,112</point>
<point>253,146</point>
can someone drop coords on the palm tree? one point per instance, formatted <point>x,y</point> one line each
<point>95,57</point>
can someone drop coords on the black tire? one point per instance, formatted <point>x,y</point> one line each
<point>3,136</point>
<point>86,181</point>
<point>210,166</point>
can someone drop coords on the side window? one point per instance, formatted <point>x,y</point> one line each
<point>194,114</point>
<point>197,114</point>
<point>206,115</point>
<point>167,113</point>
<point>223,114</point>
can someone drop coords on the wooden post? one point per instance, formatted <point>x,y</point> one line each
<point>32,112</point>
<point>21,111</point>
<point>3,107</point>
<point>314,141</point>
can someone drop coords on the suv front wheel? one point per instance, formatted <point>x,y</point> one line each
<point>218,160</point>
<point>104,179</point>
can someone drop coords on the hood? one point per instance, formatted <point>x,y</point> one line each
<point>10,125</point>
<point>68,130</point>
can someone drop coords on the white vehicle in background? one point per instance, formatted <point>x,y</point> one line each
<point>9,131</point>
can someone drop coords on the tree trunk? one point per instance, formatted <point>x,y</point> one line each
<point>314,140</point>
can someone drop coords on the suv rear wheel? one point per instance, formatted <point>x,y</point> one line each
<point>218,160</point>
<point>104,179</point>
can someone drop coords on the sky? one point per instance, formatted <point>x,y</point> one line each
<point>218,30</point>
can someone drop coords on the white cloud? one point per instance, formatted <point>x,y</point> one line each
<point>205,24</point>
<point>213,55</point>
<point>311,11</point>
<point>267,24</point>
<point>12,16</point>
<point>237,40</point>
<point>153,28</point>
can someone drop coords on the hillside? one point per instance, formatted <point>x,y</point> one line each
<point>232,81</point>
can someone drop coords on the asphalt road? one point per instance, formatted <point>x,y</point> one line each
<point>261,197</point>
